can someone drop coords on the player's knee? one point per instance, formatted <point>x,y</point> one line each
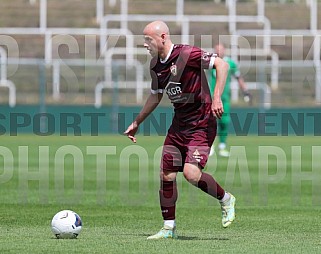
<point>192,176</point>
<point>166,175</point>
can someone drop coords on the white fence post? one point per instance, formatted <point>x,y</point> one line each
<point>43,15</point>
<point>4,82</point>
<point>317,64</point>
<point>56,80</point>
<point>99,10</point>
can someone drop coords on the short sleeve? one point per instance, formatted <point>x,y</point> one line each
<point>155,89</point>
<point>198,58</point>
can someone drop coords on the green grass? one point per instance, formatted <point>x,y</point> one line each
<point>119,203</point>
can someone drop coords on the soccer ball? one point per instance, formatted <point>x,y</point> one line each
<point>66,224</point>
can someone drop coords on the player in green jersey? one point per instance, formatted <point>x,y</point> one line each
<point>223,123</point>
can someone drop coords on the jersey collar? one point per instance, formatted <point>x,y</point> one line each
<point>168,55</point>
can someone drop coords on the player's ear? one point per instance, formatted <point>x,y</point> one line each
<point>163,36</point>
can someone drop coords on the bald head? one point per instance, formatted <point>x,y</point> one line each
<point>157,39</point>
<point>157,27</point>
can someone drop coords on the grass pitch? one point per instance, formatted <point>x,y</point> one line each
<point>113,185</point>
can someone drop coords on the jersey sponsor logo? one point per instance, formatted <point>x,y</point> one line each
<point>174,92</point>
<point>173,89</point>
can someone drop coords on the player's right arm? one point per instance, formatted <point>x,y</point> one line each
<point>151,103</point>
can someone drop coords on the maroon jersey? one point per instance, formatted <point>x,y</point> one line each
<point>181,75</point>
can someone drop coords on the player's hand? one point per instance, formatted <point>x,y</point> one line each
<point>131,131</point>
<point>247,97</point>
<point>217,108</point>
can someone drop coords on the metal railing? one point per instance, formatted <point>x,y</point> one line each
<point>124,18</point>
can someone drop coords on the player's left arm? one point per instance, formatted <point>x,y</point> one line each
<point>221,73</point>
<point>198,58</point>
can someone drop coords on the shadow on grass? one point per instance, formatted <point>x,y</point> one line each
<point>182,238</point>
<point>194,238</point>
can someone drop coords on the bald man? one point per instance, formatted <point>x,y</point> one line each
<point>178,71</point>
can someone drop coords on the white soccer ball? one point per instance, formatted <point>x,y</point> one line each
<point>66,224</point>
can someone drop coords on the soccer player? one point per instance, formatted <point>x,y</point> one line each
<point>224,122</point>
<point>178,71</point>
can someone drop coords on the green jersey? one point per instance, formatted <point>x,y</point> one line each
<point>233,71</point>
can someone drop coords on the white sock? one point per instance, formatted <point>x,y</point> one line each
<point>225,198</point>
<point>221,146</point>
<point>169,223</point>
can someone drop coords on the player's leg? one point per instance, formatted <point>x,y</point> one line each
<point>205,182</point>
<point>167,198</point>
<point>196,159</point>
<point>171,164</point>
<point>194,175</point>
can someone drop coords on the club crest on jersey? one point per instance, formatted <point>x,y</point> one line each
<point>173,69</point>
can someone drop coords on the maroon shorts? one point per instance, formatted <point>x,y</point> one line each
<point>187,147</point>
